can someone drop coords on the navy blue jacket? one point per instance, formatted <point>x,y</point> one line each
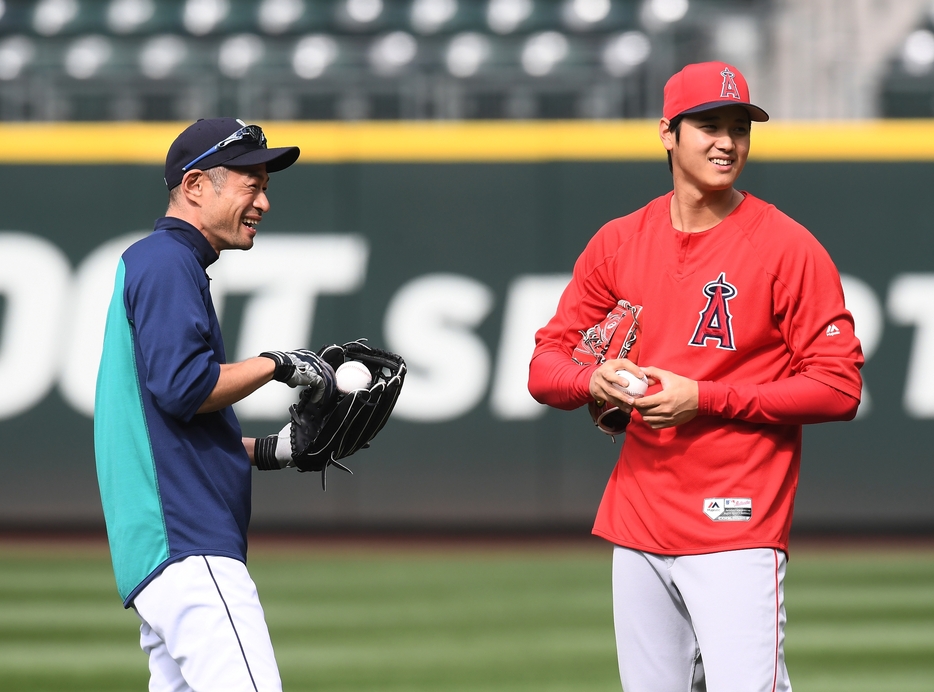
<point>173,482</point>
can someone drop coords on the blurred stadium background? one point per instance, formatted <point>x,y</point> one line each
<point>452,59</point>
<point>457,154</point>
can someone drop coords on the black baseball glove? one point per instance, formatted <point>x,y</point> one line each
<point>324,431</point>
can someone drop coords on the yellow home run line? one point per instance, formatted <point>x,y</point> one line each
<point>472,142</point>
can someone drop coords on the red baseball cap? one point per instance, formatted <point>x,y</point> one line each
<point>702,86</point>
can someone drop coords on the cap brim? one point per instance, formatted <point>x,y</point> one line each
<point>756,114</point>
<point>277,159</point>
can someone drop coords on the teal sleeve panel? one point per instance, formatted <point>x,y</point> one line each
<point>126,469</point>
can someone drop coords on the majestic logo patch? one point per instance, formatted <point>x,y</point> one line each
<point>729,89</point>
<point>728,508</point>
<point>715,321</point>
<point>832,330</point>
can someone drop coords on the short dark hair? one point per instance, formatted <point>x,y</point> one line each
<point>217,175</point>
<point>674,125</point>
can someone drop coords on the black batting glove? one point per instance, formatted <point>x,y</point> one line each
<point>303,368</point>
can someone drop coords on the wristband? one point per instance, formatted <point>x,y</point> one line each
<point>264,453</point>
<point>284,365</point>
<point>274,452</point>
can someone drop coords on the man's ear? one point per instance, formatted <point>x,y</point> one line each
<point>665,134</point>
<point>193,186</point>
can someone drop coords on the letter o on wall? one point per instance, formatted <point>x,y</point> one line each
<point>86,320</point>
<point>34,280</point>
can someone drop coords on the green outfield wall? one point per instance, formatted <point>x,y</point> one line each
<point>450,244</point>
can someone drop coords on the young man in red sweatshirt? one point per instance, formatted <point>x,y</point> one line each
<point>744,337</point>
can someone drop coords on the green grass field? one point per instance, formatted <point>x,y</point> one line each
<point>507,617</point>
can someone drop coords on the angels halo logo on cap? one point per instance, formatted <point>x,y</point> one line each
<point>702,86</point>
<point>213,142</point>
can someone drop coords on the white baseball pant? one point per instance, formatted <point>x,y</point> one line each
<point>204,629</point>
<point>696,623</point>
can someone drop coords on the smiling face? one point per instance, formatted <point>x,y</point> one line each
<point>711,148</point>
<point>231,211</point>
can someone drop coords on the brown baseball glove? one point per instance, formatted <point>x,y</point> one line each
<point>615,337</point>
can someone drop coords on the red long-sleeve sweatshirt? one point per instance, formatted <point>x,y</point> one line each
<point>751,309</point>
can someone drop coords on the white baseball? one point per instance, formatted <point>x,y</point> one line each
<point>637,386</point>
<point>352,375</point>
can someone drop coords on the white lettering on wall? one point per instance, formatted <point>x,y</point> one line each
<point>530,302</point>
<point>869,320</point>
<point>86,319</point>
<point>911,302</point>
<point>429,321</point>
<point>52,324</point>
<point>283,275</point>
<point>34,279</point>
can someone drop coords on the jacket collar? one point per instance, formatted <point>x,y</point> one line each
<point>191,236</point>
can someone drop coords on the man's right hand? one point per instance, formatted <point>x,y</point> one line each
<point>604,378</point>
<point>303,368</point>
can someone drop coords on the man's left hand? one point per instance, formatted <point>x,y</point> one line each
<point>674,405</point>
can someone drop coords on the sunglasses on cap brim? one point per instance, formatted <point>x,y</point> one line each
<point>254,132</point>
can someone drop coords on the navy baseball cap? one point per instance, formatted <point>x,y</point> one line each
<point>223,142</point>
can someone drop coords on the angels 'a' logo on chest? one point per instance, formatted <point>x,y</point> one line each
<point>716,322</point>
